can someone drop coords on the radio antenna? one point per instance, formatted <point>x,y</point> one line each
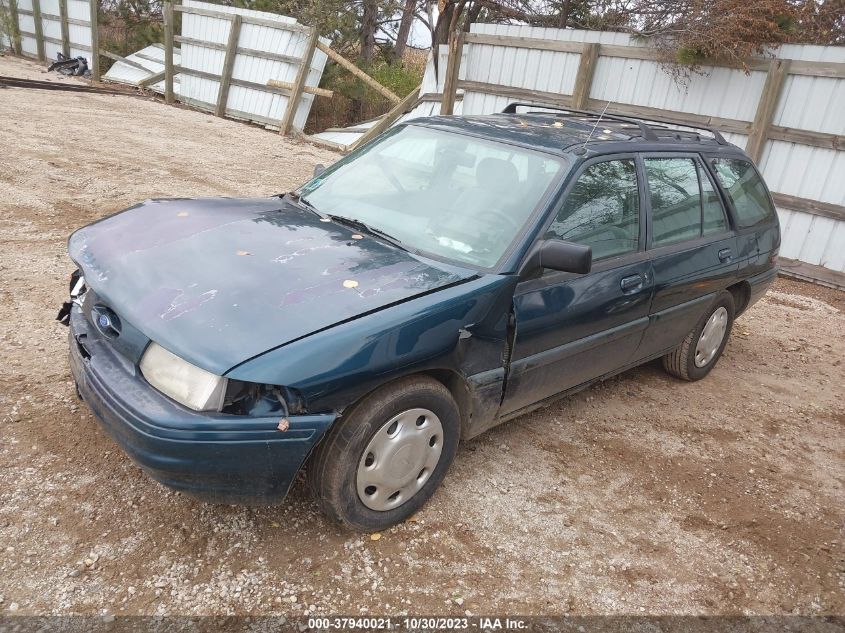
<point>596,125</point>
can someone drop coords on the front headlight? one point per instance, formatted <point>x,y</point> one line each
<point>187,384</point>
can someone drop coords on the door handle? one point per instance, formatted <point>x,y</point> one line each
<point>725,255</point>
<point>631,283</point>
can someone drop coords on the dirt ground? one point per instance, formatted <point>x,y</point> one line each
<point>641,495</point>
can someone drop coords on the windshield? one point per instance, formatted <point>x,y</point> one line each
<point>449,195</point>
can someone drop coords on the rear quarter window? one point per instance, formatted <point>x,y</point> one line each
<point>746,190</point>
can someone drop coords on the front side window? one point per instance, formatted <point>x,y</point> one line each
<point>450,195</point>
<point>602,210</point>
<point>746,190</point>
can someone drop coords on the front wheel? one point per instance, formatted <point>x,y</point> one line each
<point>380,463</point>
<point>697,354</point>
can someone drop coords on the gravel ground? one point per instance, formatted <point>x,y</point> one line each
<point>641,495</point>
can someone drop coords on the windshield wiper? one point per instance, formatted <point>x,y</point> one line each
<point>366,228</point>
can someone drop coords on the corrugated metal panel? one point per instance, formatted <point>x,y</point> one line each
<point>79,35</point>
<point>151,58</point>
<point>253,104</point>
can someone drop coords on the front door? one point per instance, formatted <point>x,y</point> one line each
<point>570,328</point>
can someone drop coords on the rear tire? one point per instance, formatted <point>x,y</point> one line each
<point>696,356</point>
<point>413,458</point>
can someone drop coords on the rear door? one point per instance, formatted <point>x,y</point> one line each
<point>692,247</point>
<point>573,328</point>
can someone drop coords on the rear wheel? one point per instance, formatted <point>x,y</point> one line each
<point>700,350</point>
<point>380,463</point>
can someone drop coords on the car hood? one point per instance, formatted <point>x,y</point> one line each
<point>219,281</point>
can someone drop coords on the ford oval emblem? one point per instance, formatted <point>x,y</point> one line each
<point>106,321</point>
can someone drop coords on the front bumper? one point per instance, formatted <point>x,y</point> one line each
<point>218,457</point>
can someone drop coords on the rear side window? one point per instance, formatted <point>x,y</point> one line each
<point>684,204</point>
<point>746,190</point>
<point>602,210</point>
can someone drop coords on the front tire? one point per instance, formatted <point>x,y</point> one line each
<point>696,356</point>
<point>383,460</point>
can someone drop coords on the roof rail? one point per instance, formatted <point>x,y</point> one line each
<point>645,130</point>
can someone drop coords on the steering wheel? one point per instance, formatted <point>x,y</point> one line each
<point>504,219</point>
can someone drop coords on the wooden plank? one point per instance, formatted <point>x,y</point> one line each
<point>123,60</point>
<point>228,64</point>
<point>149,58</point>
<point>56,41</point>
<point>778,69</point>
<point>39,29</point>
<point>811,272</point>
<point>242,83</point>
<point>360,74</point>
<point>672,116</point>
<point>299,83</point>
<point>388,119</point>
<point>181,39</point>
<point>94,8</point>
<point>813,207</point>
<point>534,43</point>
<point>453,68</point>
<point>57,18</point>
<point>807,137</point>
<point>817,69</point>
<point>152,79</point>
<point>65,30</point>
<point>522,94</point>
<point>167,11</point>
<point>320,92</point>
<point>15,35</point>
<point>278,57</point>
<point>584,78</point>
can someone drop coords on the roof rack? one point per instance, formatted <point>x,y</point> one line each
<point>646,131</point>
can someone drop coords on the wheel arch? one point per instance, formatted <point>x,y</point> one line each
<point>449,378</point>
<point>741,292</point>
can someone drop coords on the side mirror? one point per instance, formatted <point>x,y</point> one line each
<point>318,169</point>
<point>559,255</point>
<point>568,257</point>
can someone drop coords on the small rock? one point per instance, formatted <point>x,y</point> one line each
<point>89,562</point>
<point>14,606</point>
<point>73,573</point>
<point>459,601</point>
<point>293,598</point>
<point>375,536</point>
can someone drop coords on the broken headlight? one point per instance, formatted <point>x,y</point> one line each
<point>187,384</point>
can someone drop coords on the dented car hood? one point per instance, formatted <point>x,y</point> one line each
<point>220,281</point>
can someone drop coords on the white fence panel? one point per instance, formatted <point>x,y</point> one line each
<point>252,103</point>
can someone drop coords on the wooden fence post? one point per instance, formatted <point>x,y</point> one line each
<point>65,30</point>
<point>341,61</point>
<point>95,39</point>
<point>453,68</point>
<point>584,78</point>
<point>15,35</point>
<point>168,53</point>
<point>387,120</point>
<point>39,30</point>
<point>298,84</point>
<point>778,70</point>
<point>228,64</point>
